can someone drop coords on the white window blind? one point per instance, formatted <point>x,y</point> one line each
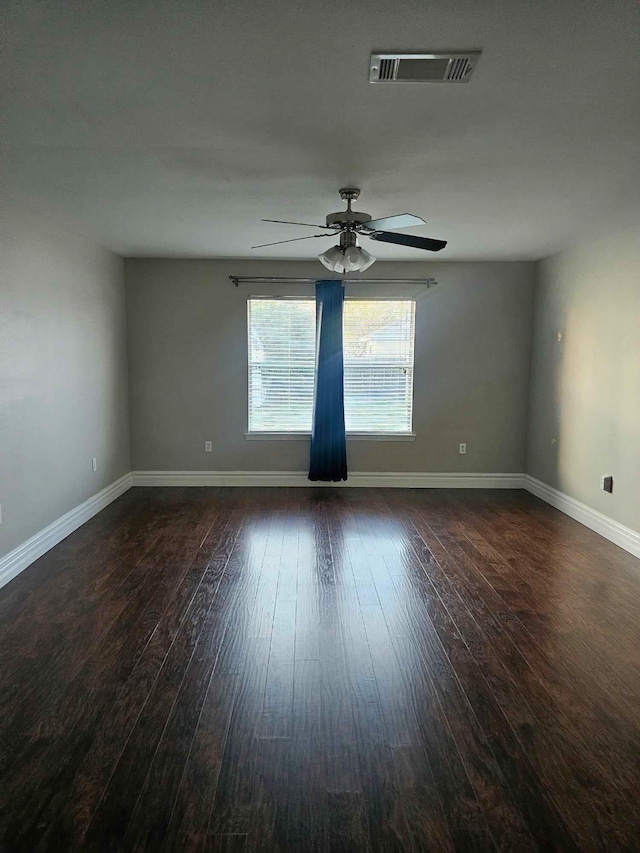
<point>378,360</point>
<point>378,365</point>
<point>282,353</point>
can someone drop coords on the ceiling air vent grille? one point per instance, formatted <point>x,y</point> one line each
<point>459,68</point>
<point>442,67</point>
<point>387,69</point>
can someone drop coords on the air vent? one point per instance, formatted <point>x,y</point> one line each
<point>454,67</point>
<point>387,69</point>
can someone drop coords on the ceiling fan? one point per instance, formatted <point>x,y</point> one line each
<point>350,225</point>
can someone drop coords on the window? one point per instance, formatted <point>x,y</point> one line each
<point>378,364</point>
<point>282,354</point>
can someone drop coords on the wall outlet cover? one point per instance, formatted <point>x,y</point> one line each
<point>606,483</point>
<point>463,447</point>
<point>208,447</point>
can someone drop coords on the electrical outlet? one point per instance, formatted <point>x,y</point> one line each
<point>208,447</point>
<point>463,448</point>
<point>94,464</point>
<point>606,483</point>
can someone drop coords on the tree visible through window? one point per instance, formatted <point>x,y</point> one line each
<point>378,364</point>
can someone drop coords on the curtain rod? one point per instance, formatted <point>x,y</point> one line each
<point>249,279</point>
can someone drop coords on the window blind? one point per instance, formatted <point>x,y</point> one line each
<point>378,365</point>
<point>378,360</point>
<point>282,343</point>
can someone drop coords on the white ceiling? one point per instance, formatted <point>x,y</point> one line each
<point>171,129</point>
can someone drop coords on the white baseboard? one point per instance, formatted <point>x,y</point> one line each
<point>356,479</point>
<point>17,560</point>
<point>612,530</point>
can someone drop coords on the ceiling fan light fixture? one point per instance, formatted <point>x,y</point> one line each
<point>357,259</point>
<point>332,258</point>
<point>344,260</point>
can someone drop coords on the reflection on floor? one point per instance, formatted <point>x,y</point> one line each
<point>323,669</point>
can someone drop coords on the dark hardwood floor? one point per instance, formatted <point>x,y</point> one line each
<point>323,670</point>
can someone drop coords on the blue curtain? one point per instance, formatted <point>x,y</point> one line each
<point>328,438</point>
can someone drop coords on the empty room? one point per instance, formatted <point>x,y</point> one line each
<point>320,426</point>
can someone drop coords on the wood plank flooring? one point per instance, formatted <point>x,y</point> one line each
<point>323,670</point>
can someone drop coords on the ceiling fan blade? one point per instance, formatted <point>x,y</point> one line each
<point>306,224</point>
<point>402,220</point>
<point>409,240</point>
<point>292,240</point>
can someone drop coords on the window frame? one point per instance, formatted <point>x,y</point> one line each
<point>302,435</point>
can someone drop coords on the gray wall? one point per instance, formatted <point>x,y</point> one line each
<point>63,373</point>
<point>585,389</point>
<point>188,367</point>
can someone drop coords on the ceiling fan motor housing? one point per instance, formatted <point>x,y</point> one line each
<point>348,218</point>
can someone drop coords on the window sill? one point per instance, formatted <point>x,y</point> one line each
<point>351,436</point>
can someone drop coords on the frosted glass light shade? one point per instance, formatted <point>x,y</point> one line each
<point>332,259</point>
<point>352,259</point>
